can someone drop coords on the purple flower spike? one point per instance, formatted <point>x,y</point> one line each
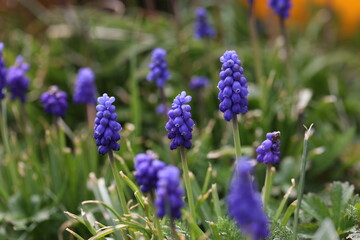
<point>169,193</point>
<point>159,72</point>
<point>244,202</point>
<point>2,72</point>
<point>17,81</point>
<point>198,83</point>
<point>106,130</point>
<point>147,169</point>
<point>269,150</point>
<point>202,27</point>
<point>281,7</point>
<point>54,101</point>
<point>233,86</point>
<point>180,124</point>
<point>85,90</point>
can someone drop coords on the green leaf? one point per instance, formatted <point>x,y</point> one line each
<point>314,206</point>
<point>340,195</point>
<point>326,231</point>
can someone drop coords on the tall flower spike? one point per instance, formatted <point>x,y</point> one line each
<point>281,7</point>
<point>106,130</point>
<point>244,203</point>
<point>159,72</point>
<point>85,89</point>
<point>198,83</point>
<point>147,169</point>
<point>17,81</point>
<point>54,101</point>
<point>2,72</point>
<point>233,86</point>
<point>202,27</point>
<point>169,193</point>
<point>180,124</point>
<point>269,150</point>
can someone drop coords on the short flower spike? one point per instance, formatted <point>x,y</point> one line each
<point>159,72</point>
<point>269,150</point>
<point>202,27</point>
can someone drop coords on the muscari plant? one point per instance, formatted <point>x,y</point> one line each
<point>165,180</point>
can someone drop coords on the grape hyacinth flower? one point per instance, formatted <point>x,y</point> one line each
<point>85,89</point>
<point>233,86</point>
<point>54,101</point>
<point>147,169</point>
<point>198,83</point>
<point>244,202</point>
<point>180,124</point>
<point>169,193</point>
<point>161,109</point>
<point>106,130</point>
<point>202,27</point>
<point>159,72</point>
<point>281,7</point>
<point>2,72</point>
<point>269,150</point>
<point>17,81</point>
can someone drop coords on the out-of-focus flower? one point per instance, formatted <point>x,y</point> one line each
<point>180,124</point>
<point>233,86</point>
<point>85,89</point>
<point>54,101</point>
<point>2,72</point>
<point>106,130</point>
<point>159,72</point>
<point>161,109</point>
<point>202,27</point>
<point>281,7</point>
<point>198,83</point>
<point>244,202</point>
<point>169,193</point>
<point>17,81</point>
<point>147,169</point>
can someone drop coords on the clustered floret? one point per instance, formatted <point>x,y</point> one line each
<point>54,101</point>
<point>180,124</point>
<point>147,168</point>
<point>85,89</point>
<point>202,27</point>
<point>106,130</point>
<point>281,7</point>
<point>244,202</point>
<point>233,86</point>
<point>17,81</point>
<point>198,83</point>
<point>269,150</point>
<point>2,72</point>
<point>159,72</point>
<point>169,193</point>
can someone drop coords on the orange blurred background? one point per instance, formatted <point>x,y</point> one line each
<point>346,11</point>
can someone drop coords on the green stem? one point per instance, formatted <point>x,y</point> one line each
<point>268,184</point>
<point>119,184</point>
<point>289,211</point>
<point>187,183</point>
<point>302,179</point>
<point>236,133</point>
<point>173,229</point>
<point>155,218</point>
<point>5,133</point>
<point>255,46</point>
<point>284,200</point>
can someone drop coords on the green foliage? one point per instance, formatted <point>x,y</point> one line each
<point>228,229</point>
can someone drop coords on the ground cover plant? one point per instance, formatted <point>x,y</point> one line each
<point>177,120</point>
